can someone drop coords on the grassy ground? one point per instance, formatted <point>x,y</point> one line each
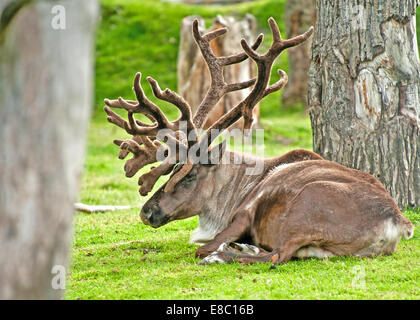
<point>115,256</point>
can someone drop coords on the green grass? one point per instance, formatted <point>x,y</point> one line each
<point>115,256</point>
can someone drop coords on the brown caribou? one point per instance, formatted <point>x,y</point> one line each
<point>299,205</point>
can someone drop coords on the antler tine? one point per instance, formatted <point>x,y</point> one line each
<point>120,122</point>
<point>175,99</point>
<point>249,51</point>
<point>136,128</point>
<point>214,34</point>
<point>279,84</point>
<point>142,154</point>
<point>117,120</point>
<point>298,39</point>
<point>274,30</point>
<point>237,58</point>
<point>113,117</point>
<point>124,152</point>
<point>146,106</point>
<point>148,180</point>
<point>240,85</point>
<point>116,103</point>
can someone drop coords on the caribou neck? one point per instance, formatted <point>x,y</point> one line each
<point>232,185</point>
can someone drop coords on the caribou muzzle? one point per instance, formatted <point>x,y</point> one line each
<point>152,215</point>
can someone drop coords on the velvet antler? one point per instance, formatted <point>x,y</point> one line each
<point>145,144</point>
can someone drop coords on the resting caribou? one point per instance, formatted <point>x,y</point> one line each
<point>299,205</point>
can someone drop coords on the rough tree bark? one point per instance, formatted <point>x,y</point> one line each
<point>299,16</point>
<point>45,101</point>
<point>193,75</point>
<point>364,88</point>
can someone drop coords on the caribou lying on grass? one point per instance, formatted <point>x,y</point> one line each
<point>299,205</point>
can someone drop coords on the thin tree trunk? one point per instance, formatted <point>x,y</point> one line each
<point>299,16</point>
<point>364,89</point>
<point>45,101</point>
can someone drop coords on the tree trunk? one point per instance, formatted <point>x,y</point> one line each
<point>193,74</point>
<point>364,88</point>
<point>45,101</point>
<point>299,16</point>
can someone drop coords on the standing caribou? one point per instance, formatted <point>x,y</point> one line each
<point>300,205</point>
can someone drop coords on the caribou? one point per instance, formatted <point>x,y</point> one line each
<point>298,206</point>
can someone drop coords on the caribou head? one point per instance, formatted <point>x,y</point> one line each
<point>187,197</point>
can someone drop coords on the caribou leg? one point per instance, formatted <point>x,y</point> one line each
<point>234,231</point>
<point>225,255</point>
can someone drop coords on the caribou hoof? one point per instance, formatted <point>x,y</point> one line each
<point>228,252</point>
<point>213,257</point>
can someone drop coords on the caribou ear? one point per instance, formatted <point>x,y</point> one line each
<point>216,153</point>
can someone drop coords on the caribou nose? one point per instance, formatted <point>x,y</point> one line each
<point>145,215</point>
<point>153,216</point>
